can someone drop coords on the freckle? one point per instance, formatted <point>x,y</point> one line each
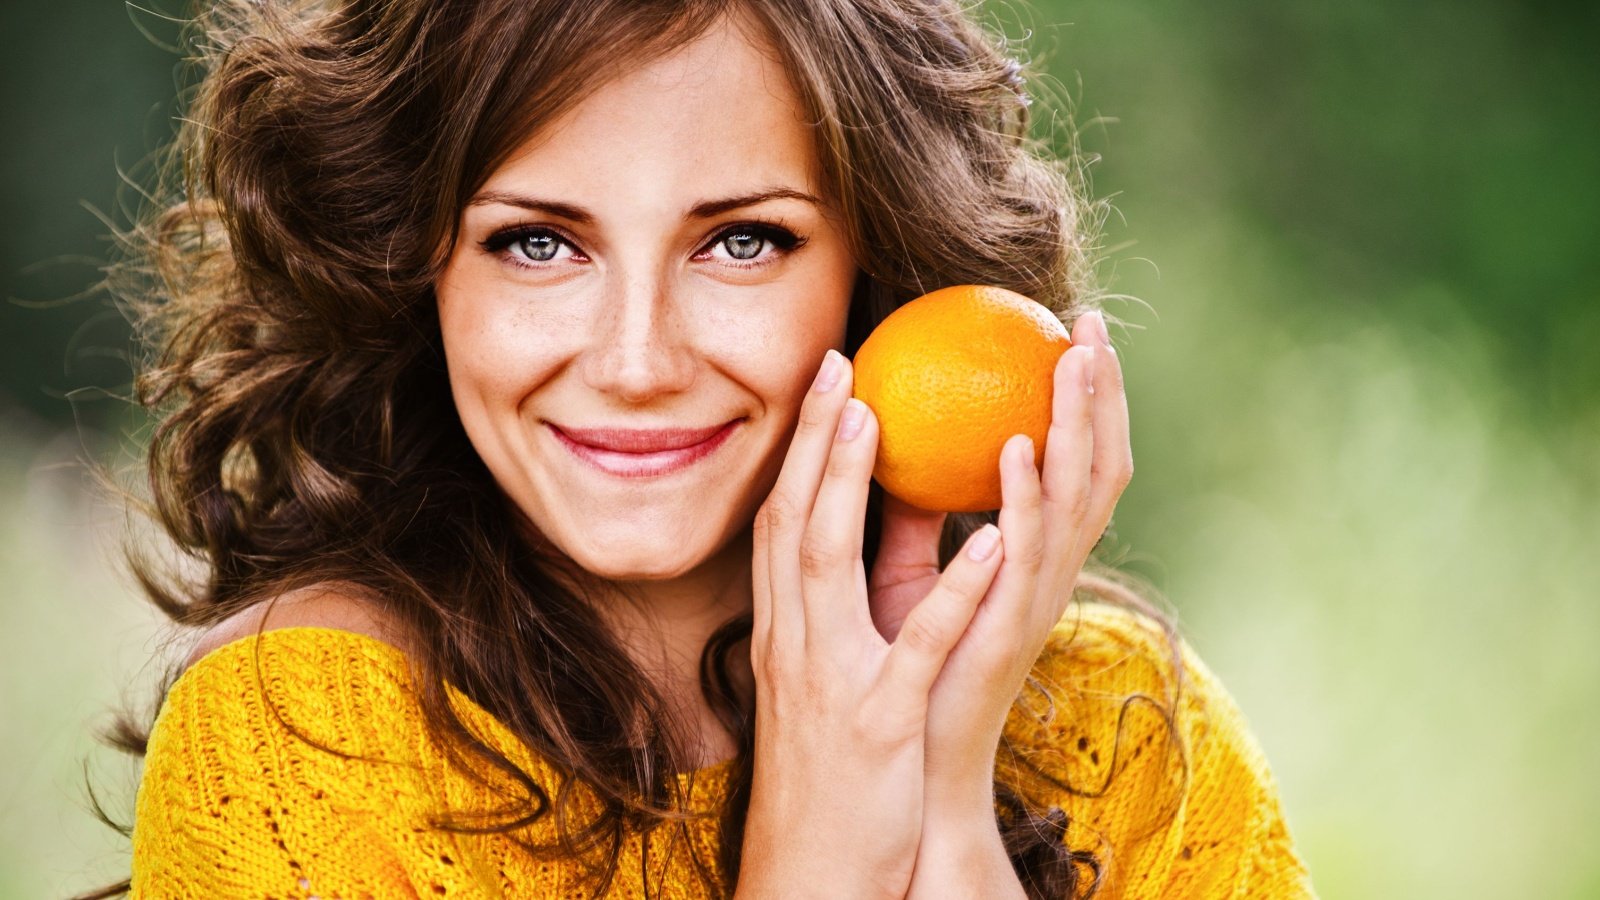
<point>1094,757</point>
<point>1083,744</point>
<point>1187,853</point>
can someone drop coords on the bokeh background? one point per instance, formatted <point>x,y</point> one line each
<point>1363,376</point>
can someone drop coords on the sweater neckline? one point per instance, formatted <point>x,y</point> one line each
<point>707,778</point>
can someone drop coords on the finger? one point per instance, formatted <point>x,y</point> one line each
<point>1112,469</point>
<point>832,578</point>
<point>1022,522</point>
<point>761,589</point>
<point>1068,463</point>
<point>937,623</point>
<point>1086,329</point>
<point>788,507</point>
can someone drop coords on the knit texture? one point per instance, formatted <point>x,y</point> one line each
<point>233,804</point>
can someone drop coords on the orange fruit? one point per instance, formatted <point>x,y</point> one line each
<point>951,375</point>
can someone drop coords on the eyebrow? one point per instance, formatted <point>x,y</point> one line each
<point>703,210</point>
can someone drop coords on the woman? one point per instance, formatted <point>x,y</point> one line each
<point>451,287</point>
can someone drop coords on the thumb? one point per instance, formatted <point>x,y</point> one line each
<point>937,624</point>
<point>908,542</point>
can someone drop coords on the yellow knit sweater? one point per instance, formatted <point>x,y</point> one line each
<point>232,805</point>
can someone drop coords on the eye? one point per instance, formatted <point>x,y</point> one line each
<point>537,247</point>
<point>528,244</point>
<point>743,243</point>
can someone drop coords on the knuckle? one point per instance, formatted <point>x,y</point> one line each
<point>1124,476</point>
<point>776,513</point>
<point>1030,555</point>
<point>771,664</point>
<point>1078,500</point>
<point>818,556</point>
<point>814,415</point>
<point>924,633</point>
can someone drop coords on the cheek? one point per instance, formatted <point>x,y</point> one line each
<point>494,348</point>
<point>778,360</point>
<point>775,348</point>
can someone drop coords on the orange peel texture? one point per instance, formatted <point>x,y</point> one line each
<point>951,376</point>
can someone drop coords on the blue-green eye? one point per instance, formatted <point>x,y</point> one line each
<point>743,243</point>
<point>538,247</point>
<point>527,243</point>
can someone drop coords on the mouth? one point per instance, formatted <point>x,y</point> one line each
<point>643,453</point>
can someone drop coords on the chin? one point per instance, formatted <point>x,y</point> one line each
<point>638,560</point>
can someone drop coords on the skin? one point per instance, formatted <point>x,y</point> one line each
<point>879,699</point>
<point>643,319</point>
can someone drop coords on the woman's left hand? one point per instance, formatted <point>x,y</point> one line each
<point>1049,523</point>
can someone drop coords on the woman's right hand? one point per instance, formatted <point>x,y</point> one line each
<point>837,791</point>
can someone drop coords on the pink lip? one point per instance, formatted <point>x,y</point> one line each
<point>639,453</point>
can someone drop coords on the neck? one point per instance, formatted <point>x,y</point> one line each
<point>664,626</point>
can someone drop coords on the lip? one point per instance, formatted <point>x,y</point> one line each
<point>643,453</point>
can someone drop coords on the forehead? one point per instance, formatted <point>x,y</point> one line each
<point>719,111</point>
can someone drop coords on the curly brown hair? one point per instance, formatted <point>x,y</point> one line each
<point>305,422</point>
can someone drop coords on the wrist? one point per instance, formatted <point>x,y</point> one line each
<point>963,856</point>
<point>960,785</point>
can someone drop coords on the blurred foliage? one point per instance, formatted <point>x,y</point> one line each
<point>1366,406</point>
<point>87,96</point>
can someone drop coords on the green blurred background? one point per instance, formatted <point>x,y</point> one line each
<point>1365,395</point>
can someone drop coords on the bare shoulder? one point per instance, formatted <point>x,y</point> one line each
<point>327,605</point>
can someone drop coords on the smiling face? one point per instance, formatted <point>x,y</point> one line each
<point>660,257</point>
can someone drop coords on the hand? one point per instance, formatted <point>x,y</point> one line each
<point>841,712</point>
<point>1050,523</point>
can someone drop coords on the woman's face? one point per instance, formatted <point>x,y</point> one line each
<point>658,258</point>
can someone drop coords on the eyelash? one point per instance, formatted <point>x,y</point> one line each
<point>772,231</point>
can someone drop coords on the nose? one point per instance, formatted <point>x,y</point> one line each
<point>640,347</point>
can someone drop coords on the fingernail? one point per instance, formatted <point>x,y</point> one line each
<point>1100,331</point>
<point>1025,453</point>
<point>983,543</point>
<point>855,413</point>
<point>1088,370</point>
<point>828,375</point>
